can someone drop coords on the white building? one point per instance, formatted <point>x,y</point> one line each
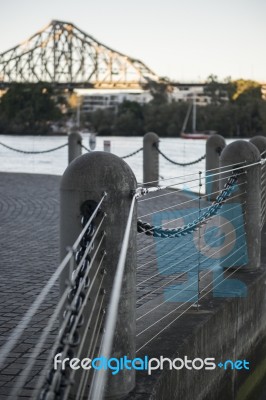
<point>95,99</point>
<point>92,100</point>
<point>188,91</point>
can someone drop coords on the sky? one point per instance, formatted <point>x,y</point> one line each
<point>184,40</point>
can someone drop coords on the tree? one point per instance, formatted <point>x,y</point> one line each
<point>29,107</point>
<point>246,88</point>
<point>217,91</point>
<point>101,121</point>
<point>129,119</point>
<point>158,90</point>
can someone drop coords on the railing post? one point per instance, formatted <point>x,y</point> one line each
<point>260,143</point>
<point>87,178</point>
<point>74,146</point>
<point>150,159</point>
<point>214,147</point>
<point>248,196</point>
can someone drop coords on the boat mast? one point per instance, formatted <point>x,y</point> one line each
<point>194,114</point>
<point>186,118</point>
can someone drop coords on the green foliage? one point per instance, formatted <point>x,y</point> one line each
<point>158,90</point>
<point>27,108</point>
<point>31,108</point>
<point>217,91</point>
<point>243,114</point>
<point>101,121</point>
<point>246,89</point>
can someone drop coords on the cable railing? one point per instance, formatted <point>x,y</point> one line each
<point>263,189</point>
<point>106,347</point>
<point>193,303</point>
<point>187,261</point>
<point>83,273</point>
<point>189,246</point>
<point>79,318</point>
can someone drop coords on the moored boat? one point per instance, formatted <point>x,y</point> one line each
<point>194,134</point>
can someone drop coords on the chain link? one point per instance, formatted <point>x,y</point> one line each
<point>127,156</point>
<point>158,231</point>
<point>33,152</point>
<point>84,147</point>
<point>132,154</point>
<point>177,163</point>
<point>57,382</point>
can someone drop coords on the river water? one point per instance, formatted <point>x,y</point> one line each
<point>55,163</point>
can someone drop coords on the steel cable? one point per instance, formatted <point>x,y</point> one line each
<point>179,316</point>
<point>179,262</point>
<point>18,331</point>
<point>77,317</point>
<point>100,381</point>
<point>185,303</point>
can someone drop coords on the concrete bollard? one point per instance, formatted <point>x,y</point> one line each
<point>214,147</point>
<point>107,146</point>
<point>86,178</point>
<point>260,143</point>
<point>247,196</point>
<point>150,159</point>
<point>74,146</point>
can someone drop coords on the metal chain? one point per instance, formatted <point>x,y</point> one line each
<point>33,152</point>
<point>158,231</point>
<point>134,152</point>
<point>177,163</point>
<point>57,383</point>
<point>84,147</point>
<point>127,156</point>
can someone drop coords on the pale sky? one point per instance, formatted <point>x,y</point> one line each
<point>185,40</point>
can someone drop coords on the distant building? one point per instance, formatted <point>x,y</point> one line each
<point>92,100</point>
<point>188,91</point>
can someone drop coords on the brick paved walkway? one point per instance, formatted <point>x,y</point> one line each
<point>29,236</point>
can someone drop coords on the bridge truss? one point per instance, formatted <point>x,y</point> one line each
<point>63,54</point>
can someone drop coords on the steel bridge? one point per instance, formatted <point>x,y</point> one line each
<point>63,54</point>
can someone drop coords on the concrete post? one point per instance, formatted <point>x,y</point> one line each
<point>107,146</point>
<point>246,219</point>
<point>74,147</point>
<point>86,178</point>
<point>150,159</point>
<point>214,147</point>
<point>260,143</point>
